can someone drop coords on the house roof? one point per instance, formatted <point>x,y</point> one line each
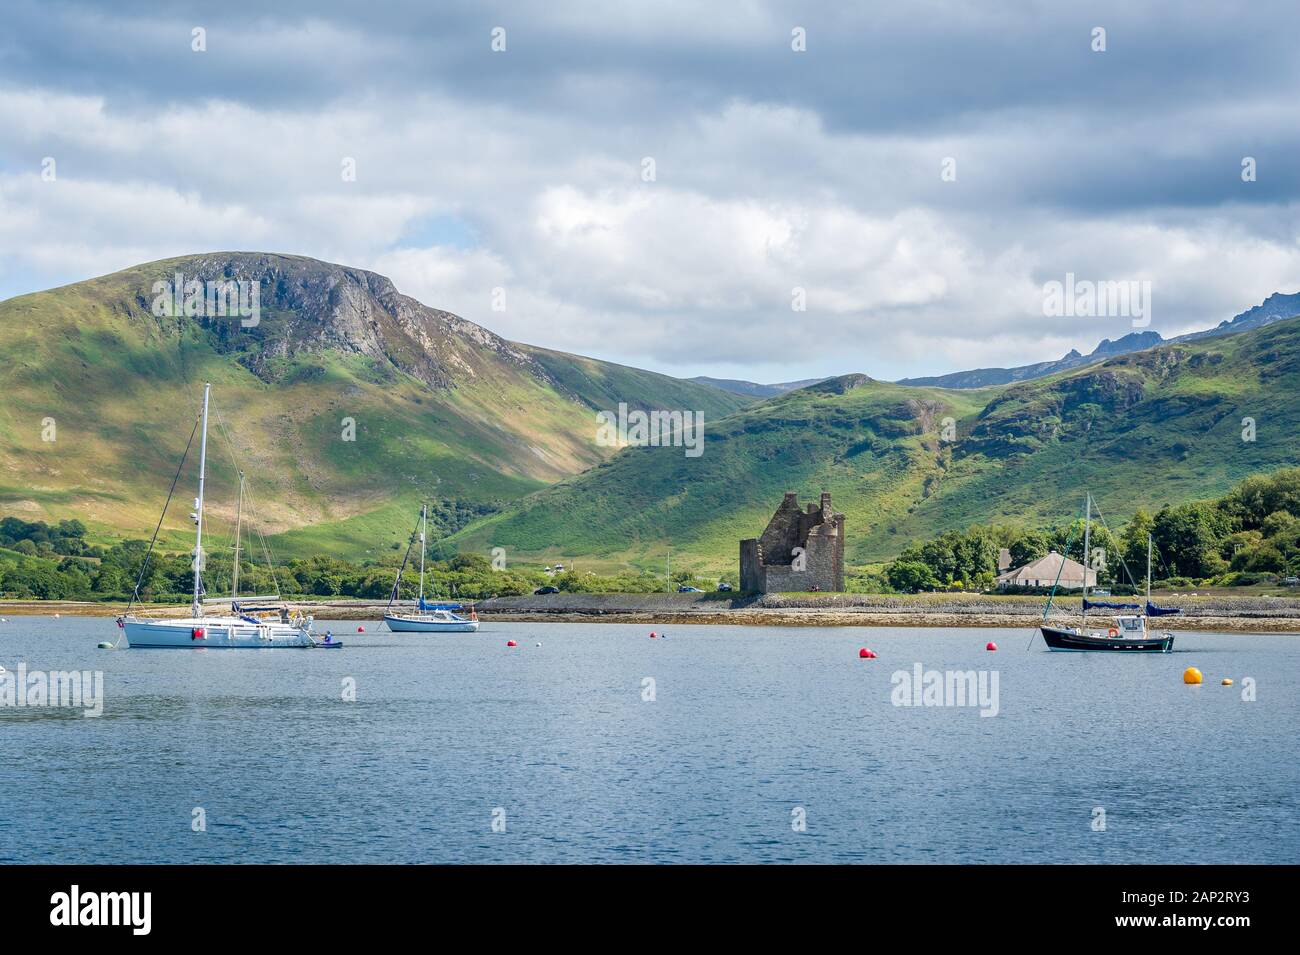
<point>1047,568</point>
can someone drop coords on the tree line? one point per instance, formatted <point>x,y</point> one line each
<point>55,562</point>
<point>1250,535</point>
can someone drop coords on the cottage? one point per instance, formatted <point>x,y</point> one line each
<point>1044,573</point>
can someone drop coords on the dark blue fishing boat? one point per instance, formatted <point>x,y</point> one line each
<point>1127,634</point>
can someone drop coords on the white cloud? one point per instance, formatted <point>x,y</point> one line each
<point>758,191</point>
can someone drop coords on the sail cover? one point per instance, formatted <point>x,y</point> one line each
<point>1091,604</point>
<point>437,605</point>
<point>1154,611</point>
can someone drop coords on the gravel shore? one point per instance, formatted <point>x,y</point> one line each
<point>1214,613</point>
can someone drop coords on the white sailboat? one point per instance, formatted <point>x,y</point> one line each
<point>428,618</point>
<point>249,624</point>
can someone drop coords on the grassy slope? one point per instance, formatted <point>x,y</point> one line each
<point>123,388</point>
<point>1141,430</point>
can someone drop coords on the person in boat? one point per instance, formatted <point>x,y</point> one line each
<point>284,615</point>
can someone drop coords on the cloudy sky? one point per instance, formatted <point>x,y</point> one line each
<point>526,168</point>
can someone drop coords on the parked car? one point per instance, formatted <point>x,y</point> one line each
<point>1291,581</point>
<point>683,589</point>
<point>546,590</point>
<point>1101,592</point>
<point>724,586</point>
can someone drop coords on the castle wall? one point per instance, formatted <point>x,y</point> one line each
<point>784,531</point>
<point>752,577</point>
<point>767,564</point>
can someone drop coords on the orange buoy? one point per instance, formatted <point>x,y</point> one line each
<point>1227,682</point>
<point>511,643</point>
<point>990,645</point>
<point>1192,676</point>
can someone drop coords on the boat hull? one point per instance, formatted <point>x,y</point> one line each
<point>1057,638</point>
<point>415,624</point>
<point>214,634</point>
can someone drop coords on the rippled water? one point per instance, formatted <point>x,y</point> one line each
<point>747,725</point>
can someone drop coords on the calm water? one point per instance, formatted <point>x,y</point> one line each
<point>746,725</point>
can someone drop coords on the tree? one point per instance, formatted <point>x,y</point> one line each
<point>910,576</point>
<point>1028,548</point>
<point>1133,542</point>
<point>1189,536</point>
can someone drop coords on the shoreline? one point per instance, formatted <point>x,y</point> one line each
<point>1211,614</point>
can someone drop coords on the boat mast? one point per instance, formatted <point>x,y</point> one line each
<point>1087,543</point>
<point>1148,570</point>
<point>239,516</point>
<point>424,530</point>
<point>197,606</point>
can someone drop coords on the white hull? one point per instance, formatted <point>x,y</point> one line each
<point>214,633</point>
<point>417,623</point>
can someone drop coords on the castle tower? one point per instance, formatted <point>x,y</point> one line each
<point>800,550</point>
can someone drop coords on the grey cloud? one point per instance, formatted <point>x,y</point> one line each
<point>1068,160</point>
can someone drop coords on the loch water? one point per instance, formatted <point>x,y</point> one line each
<point>706,744</point>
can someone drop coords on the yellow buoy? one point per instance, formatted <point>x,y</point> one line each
<point>1227,682</point>
<point>1191,676</point>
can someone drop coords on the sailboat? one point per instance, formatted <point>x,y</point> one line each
<point>429,617</point>
<point>251,622</point>
<point>1128,633</point>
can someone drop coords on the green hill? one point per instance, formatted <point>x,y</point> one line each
<point>442,408</point>
<point>500,436</point>
<point>1141,430</point>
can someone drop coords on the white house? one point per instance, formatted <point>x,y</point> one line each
<point>1043,573</point>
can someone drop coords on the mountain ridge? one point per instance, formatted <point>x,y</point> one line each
<point>1163,425</point>
<point>753,389</point>
<point>354,402</point>
<point>500,435</point>
<point>1277,306</point>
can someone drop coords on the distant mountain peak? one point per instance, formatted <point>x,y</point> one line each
<point>751,389</point>
<point>1276,307</point>
<point>841,384</point>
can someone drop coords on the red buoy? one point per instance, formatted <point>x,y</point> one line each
<point>361,629</point>
<point>652,634</point>
<point>991,646</point>
<point>866,654</point>
<point>511,643</point>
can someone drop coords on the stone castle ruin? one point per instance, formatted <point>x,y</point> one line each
<point>801,550</point>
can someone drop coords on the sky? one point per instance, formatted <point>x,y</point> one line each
<point>759,190</point>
